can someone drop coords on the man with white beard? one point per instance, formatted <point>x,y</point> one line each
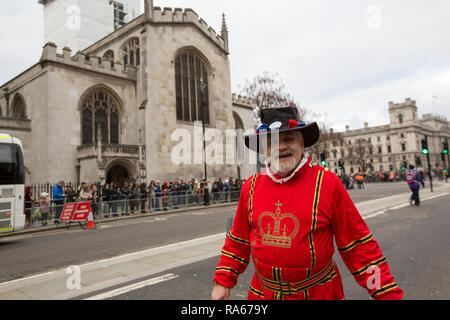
<point>286,220</point>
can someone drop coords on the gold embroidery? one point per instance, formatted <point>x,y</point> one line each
<point>257,292</point>
<point>278,236</point>
<point>250,201</point>
<point>364,269</point>
<point>385,289</point>
<point>234,257</point>
<point>314,218</point>
<point>239,240</point>
<point>355,243</point>
<point>228,269</point>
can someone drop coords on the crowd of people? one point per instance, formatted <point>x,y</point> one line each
<point>112,199</point>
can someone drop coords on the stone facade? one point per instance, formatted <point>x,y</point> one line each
<point>56,89</point>
<point>397,142</point>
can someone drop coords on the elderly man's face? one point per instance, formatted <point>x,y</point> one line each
<point>288,154</point>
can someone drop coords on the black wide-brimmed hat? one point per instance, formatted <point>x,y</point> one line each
<point>282,120</point>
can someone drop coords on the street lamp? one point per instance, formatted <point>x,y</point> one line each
<point>203,87</point>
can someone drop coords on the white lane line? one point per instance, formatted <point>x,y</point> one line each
<point>200,213</point>
<point>133,287</point>
<point>402,206</point>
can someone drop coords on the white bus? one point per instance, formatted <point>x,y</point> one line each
<point>12,184</point>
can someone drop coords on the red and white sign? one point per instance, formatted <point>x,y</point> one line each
<point>67,213</point>
<point>82,211</point>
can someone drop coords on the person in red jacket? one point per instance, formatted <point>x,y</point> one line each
<point>286,220</point>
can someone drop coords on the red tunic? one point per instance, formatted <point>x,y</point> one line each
<point>288,230</point>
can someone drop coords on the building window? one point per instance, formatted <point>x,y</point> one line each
<point>389,149</point>
<point>191,83</point>
<point>100,110</point>
<point>109,56</point>
<point>400,118</point>
<point>403,147</point>
<point>18,107</point>
<point>119,14</point>
<point>402,135</point>
<point>131,54</point>
<point>378,139</point>
<point>369,140</point>
<point>380,150</point>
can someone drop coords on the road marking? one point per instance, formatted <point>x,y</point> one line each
<point>200,213</point>
<point>381,212</point>
<point>133,287</point>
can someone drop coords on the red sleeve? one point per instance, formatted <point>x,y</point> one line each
<point>235,255</point>
<point>359,250</point>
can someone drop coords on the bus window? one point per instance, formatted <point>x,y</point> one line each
<point>11,164</point>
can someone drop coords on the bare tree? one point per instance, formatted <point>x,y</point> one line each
<point>267,91</point>
<point>328,143</point>
<point>358,152</point>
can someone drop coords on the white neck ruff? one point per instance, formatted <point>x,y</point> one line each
<point>283,180</point>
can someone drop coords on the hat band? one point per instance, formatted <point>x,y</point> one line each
<point>292,124</point>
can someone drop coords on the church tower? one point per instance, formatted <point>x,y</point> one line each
<point>77,24</point>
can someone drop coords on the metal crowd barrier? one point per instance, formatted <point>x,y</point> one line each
<point>46,216</point>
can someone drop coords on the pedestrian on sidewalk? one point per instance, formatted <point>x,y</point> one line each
<point>44,208</point>
<point>414,185</point>
<point>29,200</point>
<point>286,220</point>
<point>58,196</point>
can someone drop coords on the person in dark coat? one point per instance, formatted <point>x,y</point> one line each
<point>143,195</point>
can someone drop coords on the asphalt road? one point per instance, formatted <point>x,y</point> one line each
<point>414,241</point>
<point>28,255</point>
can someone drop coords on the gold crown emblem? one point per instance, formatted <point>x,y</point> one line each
<point>282,232</point>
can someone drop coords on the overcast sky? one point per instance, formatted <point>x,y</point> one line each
<point>343,59</point>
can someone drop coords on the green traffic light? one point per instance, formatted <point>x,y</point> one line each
<point>425,151</point>
<point>444,151</point>
<point>323,163</point>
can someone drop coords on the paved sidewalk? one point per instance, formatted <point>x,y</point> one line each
<point>368,208</point>
<point>107,273</point>
<point>122,270</point>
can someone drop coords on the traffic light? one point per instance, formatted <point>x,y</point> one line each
<point>323,162</point>
<point>445,148</point>
<point>424,146</point>
<point>340,164</point>
<point>404,165</point>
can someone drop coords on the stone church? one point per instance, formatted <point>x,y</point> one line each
<point>106,112</point>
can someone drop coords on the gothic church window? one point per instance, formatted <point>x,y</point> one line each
<point>130,52</point>
<point>18,108</point>
<point>400,118</point>
<point>191,83</point>
<point>100,109</point>
<point>109,56</point>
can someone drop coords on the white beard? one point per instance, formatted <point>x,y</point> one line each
<point>283,167</point>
